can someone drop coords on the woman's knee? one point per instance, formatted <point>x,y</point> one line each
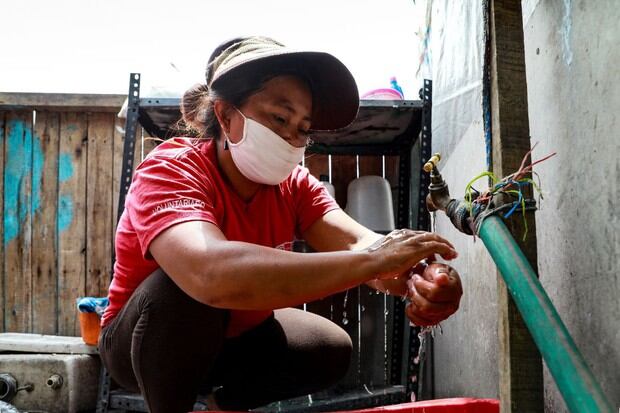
<point>157,308</point>
<point>336,358</point>
<point>319,342</point>
<point>159,294</point>
<point>158,288</point>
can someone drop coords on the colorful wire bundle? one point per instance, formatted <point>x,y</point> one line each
<point>512,185</point>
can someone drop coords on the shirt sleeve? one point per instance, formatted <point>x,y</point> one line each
<point>166,191</point>
<point>312,200</point>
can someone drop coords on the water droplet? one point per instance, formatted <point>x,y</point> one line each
<point>362,308</point>
<point>414,379</point>
<point>344,314</point>
<point>416,360</point>
<point>387,312</point>
<point>412,396</point>
<point>345,321</point>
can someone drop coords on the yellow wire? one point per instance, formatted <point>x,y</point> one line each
<point>468,192</point>
<point>495,181</point>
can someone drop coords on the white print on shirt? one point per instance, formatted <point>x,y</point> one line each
<point>286,246</point>
<point>178,203</point>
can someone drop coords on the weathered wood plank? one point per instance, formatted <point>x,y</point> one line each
<point>373,354</point>
<point>372,305</point>
<point>17,221</point>
<point>317,164</point>
<point>61,101</point>
<point>117,161</point>
<point>2,257</point>
<point>344,170</point>
<point>99,203</point>
<point>71,220</point>
<point>45,202</point>
<point>118,148</point>
<point>520,364</point>
<point>371,165</point>
<point>137,154</point>
<point>117,165</point>
<point>345,314</point>
<point>148,143</point>
<point>322,307</point>
<point>391,174</point>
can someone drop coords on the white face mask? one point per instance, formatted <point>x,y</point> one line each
<point>262,155</point>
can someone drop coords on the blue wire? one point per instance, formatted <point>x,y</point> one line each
<point>517,203</point>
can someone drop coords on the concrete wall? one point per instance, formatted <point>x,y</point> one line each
<point>465,362</point>
<point>573,74</point>
<point>466,353</point>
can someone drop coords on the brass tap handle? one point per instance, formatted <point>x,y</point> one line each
<point>432,163</point>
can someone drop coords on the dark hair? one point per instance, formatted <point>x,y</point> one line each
<point>197,103</point>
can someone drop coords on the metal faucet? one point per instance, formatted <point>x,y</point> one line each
<point>438,198</point>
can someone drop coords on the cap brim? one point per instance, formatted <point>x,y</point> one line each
<point>335,95</point>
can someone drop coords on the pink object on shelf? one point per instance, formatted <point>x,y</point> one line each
<point>455,405</point>
<point>383,94</point>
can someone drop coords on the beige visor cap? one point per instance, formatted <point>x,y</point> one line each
<point>334,91</point>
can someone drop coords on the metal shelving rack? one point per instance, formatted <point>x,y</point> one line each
<point>401,128</point>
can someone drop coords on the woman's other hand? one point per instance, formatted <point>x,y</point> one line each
<point>435,294</point>
<point>402,249</point>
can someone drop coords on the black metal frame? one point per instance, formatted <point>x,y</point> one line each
<point>129,145</point>
<point>423,223</point>
<point>401,385</point>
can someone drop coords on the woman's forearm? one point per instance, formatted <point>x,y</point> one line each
<point>240,275</point>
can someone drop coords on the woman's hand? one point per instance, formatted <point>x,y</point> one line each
<point>435,294</point>
<point>402,249</point>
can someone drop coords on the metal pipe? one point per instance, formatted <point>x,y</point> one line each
<point>54,381</point>
<point>580,390</point>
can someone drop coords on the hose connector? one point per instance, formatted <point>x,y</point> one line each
<point>459,214</point>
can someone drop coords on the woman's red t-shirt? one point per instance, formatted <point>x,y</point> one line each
<point>180,181</point>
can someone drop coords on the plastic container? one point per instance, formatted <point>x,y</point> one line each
<point>383,94</point>
<point>396,86</point>
<point>330,188</point>
<point>90,310</point>
<point>90,327</point>
<point>369,202</point>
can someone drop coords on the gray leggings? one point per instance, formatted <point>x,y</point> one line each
<point>171,348</point>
